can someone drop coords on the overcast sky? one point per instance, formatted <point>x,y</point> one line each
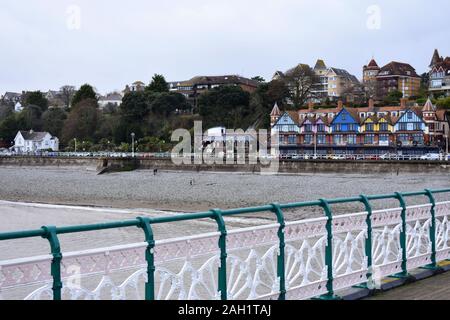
<point>109,43</point>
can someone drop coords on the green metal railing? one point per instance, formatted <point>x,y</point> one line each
<point>51,233</point>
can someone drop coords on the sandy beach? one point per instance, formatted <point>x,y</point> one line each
<point>173,190</point>
<point>80,196</point>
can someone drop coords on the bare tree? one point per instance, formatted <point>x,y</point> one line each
<point>67,93</point>
<point>301,81</point>
<point>371,89</point>
<point>354,93</point>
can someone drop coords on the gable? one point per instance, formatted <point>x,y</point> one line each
<point>19,135</point>
<point>410,117</point>
<point>286,120</point>
<point>368,120</point>
<point>320,121</point>
<point>344,117</point>
<point>307,121</point>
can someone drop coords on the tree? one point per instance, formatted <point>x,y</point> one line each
<point>36,98</point>
<point>81,122</point>
<point>9,128</point>
<point>259,79</point>
<point>167,103</point>
<point>158,84</point>
<point>151,144</point>
<point>30,118</point>
<point>86,92</point>
<point>132,115</point>
<point>263,100</point>
<point>443,103</point>
<point>5,111</point>
<point>393,97</point>
<point>134,107</point>
<point>226,106</point>
<point>67,93</point>
<point>53,121</point>
<point>278,92</point>
<point>300,81</point>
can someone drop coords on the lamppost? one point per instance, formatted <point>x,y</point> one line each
<point>315,145</point>
<point>132,143</point>
<point>446,146</point>
<point>75,139</point>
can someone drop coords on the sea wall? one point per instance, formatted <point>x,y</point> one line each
<point>286,166</point>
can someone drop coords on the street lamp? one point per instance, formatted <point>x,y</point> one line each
<point>315,145</point>
<point>446,146</point>
<point>132,143</point>
<point>75,139</point>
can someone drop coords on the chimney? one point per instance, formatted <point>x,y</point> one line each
<point>403,102</point>
<point>371,103</point>
<point>310,105</point>
<point>340,104</point>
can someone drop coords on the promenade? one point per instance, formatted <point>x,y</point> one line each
<point>434,288</point>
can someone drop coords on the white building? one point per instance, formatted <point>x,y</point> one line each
<point>30,141</point>
<point>114,99</point>
<point>18,107</point>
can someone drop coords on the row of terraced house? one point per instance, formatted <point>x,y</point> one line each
<point>404,129</point>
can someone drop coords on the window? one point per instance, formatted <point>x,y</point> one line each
<point>417,126</point>
<point>321,139</point>
<point>369,127</point>
<point>404,138</point>
<point>403,127</point>
<point>369,139</point>
<point>308,128</point>
<point>384,138</point>
<point>351,139</point>
<point>321,128</point>
<point>337,127</point>
<point>344,117</point>
<point>308,139</point>
<point>292,139</point>
<point>410,115</point>
<point>338,139</point>
<point>418,138</point>
<point>384,127</point>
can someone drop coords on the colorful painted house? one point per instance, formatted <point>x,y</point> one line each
<point>345,128</point>
<point>369,130</point>
<point>410,129</point>
<point>315,131</point>
<point>377,131</point>
<point>288,129</point>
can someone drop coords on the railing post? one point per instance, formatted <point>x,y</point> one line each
<point>52,237</point>
<point>222,276</point>
<point>403,244</point>
<point>281,268</point>
<point>369,243</point>
<point>329,251</point>
<point>433,265</point>
<point>145,224</point>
